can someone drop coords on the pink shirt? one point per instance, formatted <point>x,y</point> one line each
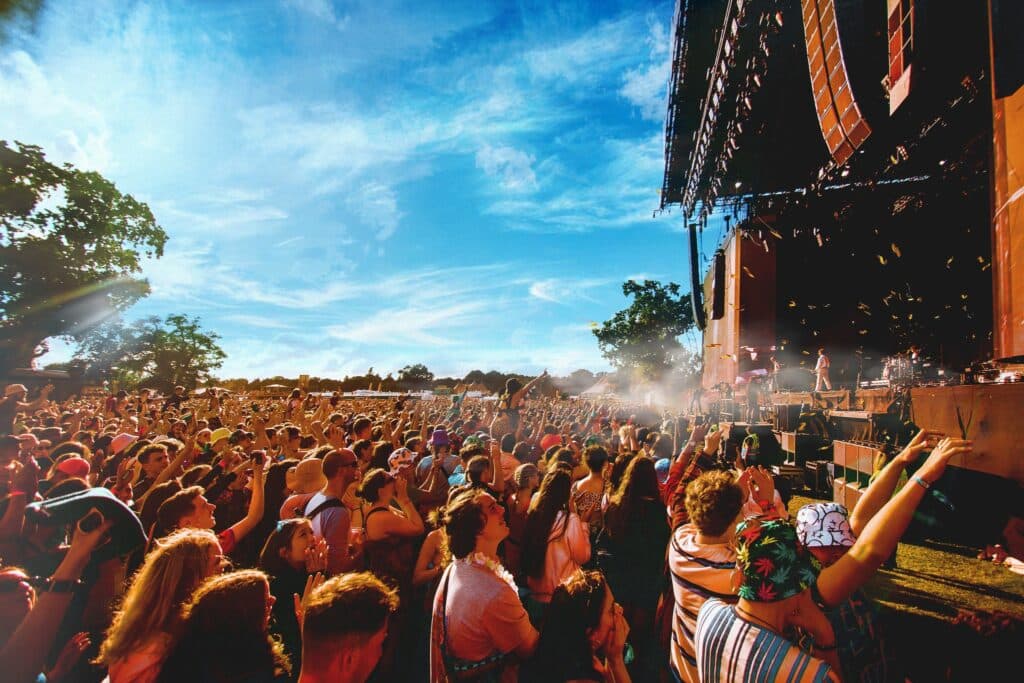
<point>484,617</point>
<point>565,554</point>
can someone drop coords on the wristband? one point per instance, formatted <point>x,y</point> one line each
<point>922,483</point>
<point>63,585</point>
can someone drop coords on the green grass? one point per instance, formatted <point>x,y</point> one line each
<point>934,579</point>
<point>921,598</point>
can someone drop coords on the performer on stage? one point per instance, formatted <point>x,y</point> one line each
<point>775,367</point>
<point>821,370</point>
<point>695,397</point>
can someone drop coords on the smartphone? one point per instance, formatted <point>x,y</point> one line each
<point>255,407</point>
<point>258,457</point>
<point>91,521</point>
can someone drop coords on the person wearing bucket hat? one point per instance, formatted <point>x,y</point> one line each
<point>747,641</point>
<point>399,459</point>
<point>852,547</point>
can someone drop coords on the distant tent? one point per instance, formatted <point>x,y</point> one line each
<point>462,386</point>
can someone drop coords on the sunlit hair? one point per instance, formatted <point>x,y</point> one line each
<point>639,486</point>
<point>165,581</point>
<point>564,651</point>
<point>223,633</point>
<point>344,613</point>
<point>713,501</point>
<point>463,520</point>
<point>615,476</point>
<point>552,498</point>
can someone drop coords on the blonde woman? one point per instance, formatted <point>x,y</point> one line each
<point>138,638</point>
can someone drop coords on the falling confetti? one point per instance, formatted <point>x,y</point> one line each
<point>775,234</point>
<point>792,303</point>
<point>862,332</point>
<point>882,260</point>
<point>895,250</point>
<point>592,324</point>
<point>949,262</point>
<point>747,272</point>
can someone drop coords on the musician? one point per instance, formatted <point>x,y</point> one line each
<point>774,369</point>
<point>821,370</point>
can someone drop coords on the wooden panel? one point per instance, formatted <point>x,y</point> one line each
<point>1008,225</point>
<point>991,415</point>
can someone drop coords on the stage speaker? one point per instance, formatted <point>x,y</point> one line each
<point>839,117</point>
<point>718,287</point>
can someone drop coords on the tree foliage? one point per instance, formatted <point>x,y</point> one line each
<point>155,352</point>
<point>645,336</point>
<point>70,246</point>
<point>415,376</point>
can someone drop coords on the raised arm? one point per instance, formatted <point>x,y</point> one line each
<point>255,514</point>
<point>882,533</point>
<point>881,489</point>
<point>23,656</point>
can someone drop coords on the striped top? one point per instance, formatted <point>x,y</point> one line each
<point>731,650</point>
<point>699,571</point>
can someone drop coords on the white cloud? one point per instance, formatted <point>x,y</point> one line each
<point>510,165</point>
<point>646,86</point>
<point>376,205</point>
<point>562,290</point>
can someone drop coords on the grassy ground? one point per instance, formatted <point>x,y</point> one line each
<point>921,599</point>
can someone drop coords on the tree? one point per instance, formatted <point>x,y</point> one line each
<point>645,336</point>
<point>415,376</point>
<point>159,353</point>
<point>70,246</point>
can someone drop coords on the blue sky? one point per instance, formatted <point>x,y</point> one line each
<point>356,184</point>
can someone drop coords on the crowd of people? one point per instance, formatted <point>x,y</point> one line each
<point>226,537</point>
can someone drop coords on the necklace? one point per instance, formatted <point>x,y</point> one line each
<point>480,560</point>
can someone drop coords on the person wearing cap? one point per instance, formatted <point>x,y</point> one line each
<point>219,440</point>
<point>13,402</point>
<point>846,568</point>
<point>121,442</point>
<point>851,547</point>
<point>746,642</point>
<point>440,447</point>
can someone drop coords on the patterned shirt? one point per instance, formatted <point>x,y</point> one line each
<point>732,650</point>
<point>699,571</point>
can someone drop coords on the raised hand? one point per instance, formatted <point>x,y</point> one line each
<point>313,582</point>
<point>936,463</point>
<point>316,556</point>
<point>922,441</point>
<point>69,656</point>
